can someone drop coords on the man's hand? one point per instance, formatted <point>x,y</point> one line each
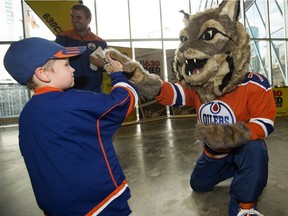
<point>97,60</point>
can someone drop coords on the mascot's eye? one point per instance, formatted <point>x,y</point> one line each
<point>183,39</point>
<point>209,34</point>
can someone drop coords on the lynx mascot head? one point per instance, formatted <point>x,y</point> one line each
<point>214,53</point>
<point>212,58</point>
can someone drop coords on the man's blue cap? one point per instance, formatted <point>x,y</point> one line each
<point>24,56</point>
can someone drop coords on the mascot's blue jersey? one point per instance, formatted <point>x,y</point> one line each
<point>251,102</point>
<point>66,141</point>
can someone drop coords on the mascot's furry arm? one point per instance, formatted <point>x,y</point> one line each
<point>148,85</point>
<point>218,136</point>
<point>212,64</point>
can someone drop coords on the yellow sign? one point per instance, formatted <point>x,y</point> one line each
<point>281,100</point>
<point>55,14</point>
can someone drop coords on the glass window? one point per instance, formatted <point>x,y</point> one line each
<point>259,57</point>
<point>120,44</point>
<point>145,19</point>
<point>113,19</point>
<point>172,19</point>
<point>147,44</point>
<point>11,20</point>
<point>4,76</point>
<point>276,19</point>
<point>278,63</point>
<point>37,28</point>
<point>256,20</point>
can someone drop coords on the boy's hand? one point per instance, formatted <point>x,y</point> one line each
<point>113,65</point>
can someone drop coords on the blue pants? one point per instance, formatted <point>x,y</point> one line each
<point>248,164</point>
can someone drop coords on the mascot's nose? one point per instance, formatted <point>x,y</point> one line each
<point>182,48</point>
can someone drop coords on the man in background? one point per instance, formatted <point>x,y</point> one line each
<point>88,66</point>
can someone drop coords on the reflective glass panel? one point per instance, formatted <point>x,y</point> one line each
<point>255,19</point>
<point>145,19</point>
<point>113,19</point>
<point>276,19</point>
<point>172,19</point>
<point>11,20</point>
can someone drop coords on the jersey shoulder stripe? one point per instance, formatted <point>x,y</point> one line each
<point>256,79</point>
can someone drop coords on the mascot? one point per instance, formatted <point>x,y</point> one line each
<point>235,107</point>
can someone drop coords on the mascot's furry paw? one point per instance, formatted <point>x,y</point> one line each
<point>148,85</point>
<point>223,136</point>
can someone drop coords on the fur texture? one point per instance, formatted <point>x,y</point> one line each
<point>223,137</point>
<point>213,58</point>
<point>214,53</point>
<point>148,85</point>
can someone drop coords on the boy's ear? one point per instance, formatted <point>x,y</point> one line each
<point>42,74</point>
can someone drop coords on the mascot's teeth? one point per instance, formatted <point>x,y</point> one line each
<point>195,60</point>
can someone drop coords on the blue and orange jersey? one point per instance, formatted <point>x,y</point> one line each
<point>86,78</point>
<point>251,102</point>
<point>76,36</point>
<point>65,138</point>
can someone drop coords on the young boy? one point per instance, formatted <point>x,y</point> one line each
<point>65,135</point>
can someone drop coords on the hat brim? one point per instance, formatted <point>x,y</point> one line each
<point>68,52</point>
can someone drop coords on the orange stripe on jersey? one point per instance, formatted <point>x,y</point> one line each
<point>45,89</point>
<point>116,193</point>
<point>103,149</point>
<point>167,94</point>
<point>131,96</point>
<point>216,157</point>
<point>100,140</point>
<point>132,102</point>
<point>75,35</point>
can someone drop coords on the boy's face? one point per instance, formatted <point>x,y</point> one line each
<point>62,75</point>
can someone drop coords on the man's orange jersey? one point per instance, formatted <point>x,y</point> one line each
<point>251,102</point>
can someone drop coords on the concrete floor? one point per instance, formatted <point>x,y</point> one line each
<point>157,158</point>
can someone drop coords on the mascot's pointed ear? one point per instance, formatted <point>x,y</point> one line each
<point>186,17</point>
<point>231,8</point>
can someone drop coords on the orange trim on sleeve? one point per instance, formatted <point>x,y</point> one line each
<point>116,193</point>
<point>167,94</point>
<point>132,99</point>
<point>132,102</point>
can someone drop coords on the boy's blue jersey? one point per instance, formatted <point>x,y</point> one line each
<point>66,141</point>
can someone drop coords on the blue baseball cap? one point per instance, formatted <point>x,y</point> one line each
<point>24,56</point>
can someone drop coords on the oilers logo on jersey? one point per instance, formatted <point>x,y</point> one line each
<point>216,112</point>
